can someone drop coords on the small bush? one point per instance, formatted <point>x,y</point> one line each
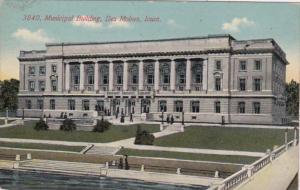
<point>41,125</point>
<point>101,126</point>
<point>143,137</point>
<point>68,125</point>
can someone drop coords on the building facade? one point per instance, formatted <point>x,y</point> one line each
<point>203,79</point>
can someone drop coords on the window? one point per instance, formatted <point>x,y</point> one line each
<point>218,66</point>
<point>217,107</point>
<point>28,104</point>
<point>195,106</point>
<point>198,78</point>
<point>52,104</point>
<point>90,74</point>
<point>241,107</point>
<point>242,84</point>
<point>31,85</point>
<point>134,79</point>
<point>40,104</point>
<point>166,78</point>
<point>42,70</point>
<point>119,74</point>
<point>165,70</point>
<point>197,73</point>
<point>180,73</point>
<point>91,79</point>
<point>257,84</point>
<point>31,70</point>
<point>71,104</point>
<point>85,105</point>
<point>243,66</point>
<point>256,107</point>
<point>162,106</point>
<point>150,79</point>
<point>53,85</point>
<point>100,105</point>
<point>134,73</point>
<point>217,84</point>
<point>105,79</point>
<point>53,68</point>
<point>178,106</point>
<point>41,85</point>
<point>150,73</point>
<point>257,65</point>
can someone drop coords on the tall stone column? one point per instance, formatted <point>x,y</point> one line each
<point>204,74</point>
<point>96,78</point>
<point>125,76</point>
<point>67,77</point>
<point>81,86</point>
<point>111,76</point>
<point>172,76</point>
<point>188,75</point>
<point>156,75</point>
<point>141,75</point>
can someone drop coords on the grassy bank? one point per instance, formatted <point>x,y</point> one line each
<point>115,133</point>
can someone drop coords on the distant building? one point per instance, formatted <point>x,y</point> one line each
<point>208,78</point>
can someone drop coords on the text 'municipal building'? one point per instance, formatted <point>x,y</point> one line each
<point>207,78</point>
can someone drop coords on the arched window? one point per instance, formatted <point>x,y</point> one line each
<point>150,73</point>
<point>197,73</point>
<point>134,73</point>
<point>104,70</point>
<point>165,73</point>
<point>181,73</point>
<point>119,74</point>
<point>75,74</point>
<point>90,74</point>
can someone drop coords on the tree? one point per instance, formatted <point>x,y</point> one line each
<point>143,137</point>
<point>292,94</point>
<point>68,125</point>
<point>101,126</point>
<point>41,125</point>
<point>9,94</point>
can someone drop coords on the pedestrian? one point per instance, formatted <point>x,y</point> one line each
<point>120,166</point>
<point>126,162</point>
<point>172,119</point>
<point>131,117</point>
<point>168,119</point>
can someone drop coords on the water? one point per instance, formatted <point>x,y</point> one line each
<point>14,180</point>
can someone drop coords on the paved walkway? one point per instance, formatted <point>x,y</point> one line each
<point>277,175</point>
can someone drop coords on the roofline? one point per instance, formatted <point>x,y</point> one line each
<point>135,41</point>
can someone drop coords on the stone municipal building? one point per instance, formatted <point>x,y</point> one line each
<point>206,78</point>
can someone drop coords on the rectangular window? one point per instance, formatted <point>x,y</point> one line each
<point>28,104</point>
<point>242,84</point>
<point>256,107</point>
<point>53,68</point>
<point>198,78</point>
<point>162,106</point>
<point>178,106</point>
<point>53,85</point>
<point>31,85</point>
<point>71,104</point>
<point>257,65</point>
<point>217,84</point>
<point>217,107</point>
<point>100,105</point>
<point>119,79</point>
<point>76,80</point>
<point>91,79</point>
<point>31,70</point>
<point>241,107</point>
<point>243,65</point>
<point>134,79</point>
<point>218,66</point>
<point>195,106</point>
<point>166,79</point>
<point>42,70</point>
<point>52,104</point>
<point>150,79</point>
<point>257,84</point>
<point>181,79</point>
<point>105,79</point>
<point>85,105</point>
<point>40,104</point>
<point>42,86</point>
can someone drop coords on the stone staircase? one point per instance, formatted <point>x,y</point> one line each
<point>103,150</point>
<point>62,166</point>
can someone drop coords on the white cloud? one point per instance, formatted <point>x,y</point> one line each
<point>38,36</point>
<point>236,24</point>
<point>119,24</point>
<point>86,21</point>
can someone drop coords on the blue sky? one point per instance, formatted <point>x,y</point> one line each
<point>280,21</point>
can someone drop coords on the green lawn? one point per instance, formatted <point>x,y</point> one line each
<point>245,139</point>
<point>113,134</point>
<point>41,146</point>
<point>188,156</point>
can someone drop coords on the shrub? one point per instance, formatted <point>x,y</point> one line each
<point>143,137</point>
<point>101,126</point>
<point>68,125</point>
<point>41,125</point>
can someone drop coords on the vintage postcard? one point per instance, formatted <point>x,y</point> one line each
<point>149,95</point>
